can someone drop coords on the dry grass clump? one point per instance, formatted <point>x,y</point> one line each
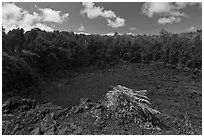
<point>136,100</point>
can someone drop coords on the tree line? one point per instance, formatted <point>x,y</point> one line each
<point>26,55</point>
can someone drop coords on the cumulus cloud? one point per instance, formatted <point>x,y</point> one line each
<point>50,15</point>
<point>168,12</point>
<point>168,20</point>
<point>182,5</point>
<point>10,14</point>
<point>93,12</point>
<point>151,8</point>
<point>81,28</point>
<point>111,34</point>
<point>42,27</point>
<point>118,22</point>
<point>191,29</point>
<point>27,21</point>
<point>165,8</point>
<point>177,14</point>
<point>196,3</point>
<point>108,14</point>
<point>96,12</point>
<point>132,28</point>
<point>11,11</point>
<point>14,17</point>
<point>85,33</point>
<point>129,33</point>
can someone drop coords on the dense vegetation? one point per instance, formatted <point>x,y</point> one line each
<point>29,55</point>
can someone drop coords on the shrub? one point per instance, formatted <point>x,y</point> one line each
<point>136,100</point>
<point>17,74</point>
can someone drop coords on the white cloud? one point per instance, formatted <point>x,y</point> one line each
<point>168,20</point>
<point>118,22</point>
<point>93,12</point>
<point>10,15</point>
<point>81,28</point>
<point>151,8</point>
<point>165,8</point>
<point>132,28</point>
<point>177,14</point>
<point>196,3</point>
<point>43,27</point>
<point>169,12</point>
<point>182,5</point>
<point>50,15</point>
<point>14,17</point>
<point>28,20</point>
<point>130,34</point>
<point>111,34</point>
<point>85,33</point>
<point>108,14</point>
<point>11,11</point>
<point>88,4</point>
<point>191,29</point>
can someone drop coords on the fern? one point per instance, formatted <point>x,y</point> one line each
<point>138,100</point>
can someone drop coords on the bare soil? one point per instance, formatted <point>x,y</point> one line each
<point>176,93</point>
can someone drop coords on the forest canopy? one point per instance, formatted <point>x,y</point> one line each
<point>40,53</point>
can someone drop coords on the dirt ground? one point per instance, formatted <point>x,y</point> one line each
<point>167,88</point>
<point>174,92</point>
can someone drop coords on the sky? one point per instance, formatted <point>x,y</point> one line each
<point>104,17</point>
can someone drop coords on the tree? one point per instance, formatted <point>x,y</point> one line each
<point>197,51</point>
<point>164,35</point>
<point>16,40</point>
<point>4,40</point>
<point>30,37</point>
